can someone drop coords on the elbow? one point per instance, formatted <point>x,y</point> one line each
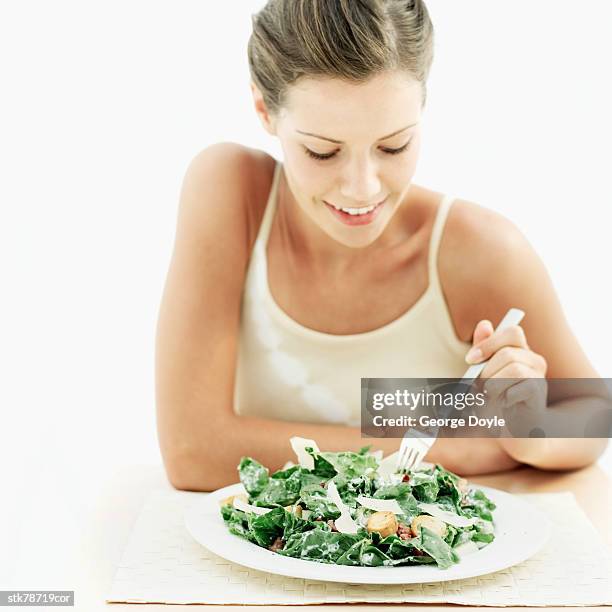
<point>572,454</point>
<point>198,471</point>
<point>181,479</point>
<point>185,479</point>
<point>595,449</point>
<point>183,468</point>
<point>188,475</point>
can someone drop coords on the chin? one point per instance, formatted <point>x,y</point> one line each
<point>357,240</point>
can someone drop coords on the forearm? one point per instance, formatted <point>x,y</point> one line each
<point>211,463</point>
<point>557,453</point>
<point>214,454</point>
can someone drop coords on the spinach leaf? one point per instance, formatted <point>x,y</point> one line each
<point>350,489</point>
<point>480,536</point>
<point>297,473</point>
<point>294,524</point>
<point>435,546</point>
<point>352,556</point>
<point>393,491</point>
<point>424,486</point>
<point>314,498</point>
<point>265,528</point>
<point>483,533</point>
<point>478,504</point>
<point>253,476</point>
<point>283,488</point>
<point>446,503</point>
<point>448,485</point>
<point>283,474</point>
<point>371,556</point>
<point>277,493</point>
<point>349,464</point>
<point>451,534</point>
<point>346,464</point>
<point>322,468</point>
<point>236,521</point>
<point>396,548</point>
<point>402,493</point>
<point>319,545</point>
<point>278,523</point>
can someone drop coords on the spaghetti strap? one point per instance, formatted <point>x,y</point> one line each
<point>264,229</point>
<point>436,236</point>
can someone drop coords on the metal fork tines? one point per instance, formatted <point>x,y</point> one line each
<point>412,450</point>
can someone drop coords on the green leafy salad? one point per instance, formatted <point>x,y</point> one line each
<point>352,508</point>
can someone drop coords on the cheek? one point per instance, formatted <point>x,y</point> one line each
<point>312,179</point>
<point>397,175</point>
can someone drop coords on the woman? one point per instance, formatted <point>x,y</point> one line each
<point>289,282</point>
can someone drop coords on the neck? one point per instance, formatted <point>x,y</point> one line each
<point>308,242</point>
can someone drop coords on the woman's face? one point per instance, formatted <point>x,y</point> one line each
<point>351,148</point>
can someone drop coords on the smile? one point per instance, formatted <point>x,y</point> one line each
<point>355,216</point>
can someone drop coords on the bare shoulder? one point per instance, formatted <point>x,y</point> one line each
<point>486,265</point>
<point>230,181</point>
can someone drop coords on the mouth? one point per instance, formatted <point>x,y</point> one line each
<point>355,216</point>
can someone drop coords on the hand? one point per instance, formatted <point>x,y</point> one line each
<point>510,358</point>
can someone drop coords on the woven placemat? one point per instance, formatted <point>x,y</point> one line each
<point>162,563</point>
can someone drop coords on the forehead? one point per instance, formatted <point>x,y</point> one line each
<point>375,107</point>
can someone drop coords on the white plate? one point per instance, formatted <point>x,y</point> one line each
<point>521,530</point>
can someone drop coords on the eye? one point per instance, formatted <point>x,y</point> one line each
<point>324,156</point>
<point>319,156</point>
<point>397,151</point>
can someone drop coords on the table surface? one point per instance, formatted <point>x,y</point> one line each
<point>122,497</point>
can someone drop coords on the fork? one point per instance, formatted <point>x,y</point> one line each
<point>415,444</point>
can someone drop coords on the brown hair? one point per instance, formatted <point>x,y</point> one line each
<point>347,39</point>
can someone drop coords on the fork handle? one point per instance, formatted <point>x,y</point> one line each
<point>513,317</point>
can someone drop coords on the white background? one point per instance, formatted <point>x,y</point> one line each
<point>104,105</point>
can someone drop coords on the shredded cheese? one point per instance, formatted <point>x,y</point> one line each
<point>344,523</point>
<point>387,466</point>
<point>242,505</point>
<point>299,446</point>
<point>448,517</point>
<point>380,505</point>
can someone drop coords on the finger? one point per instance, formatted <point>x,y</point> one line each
<point>511,336</point>
<point>512,360</point>
<point>495,389</point>
<point>514,371</point>
<point>532,391</point>
<point>482,331</point>
<point>503,393</point>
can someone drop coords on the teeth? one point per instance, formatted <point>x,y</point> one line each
<point>358,211</point>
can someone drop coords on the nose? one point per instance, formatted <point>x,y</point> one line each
<point>360,182</point>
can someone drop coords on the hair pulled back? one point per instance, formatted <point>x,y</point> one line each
<point>346,39</point>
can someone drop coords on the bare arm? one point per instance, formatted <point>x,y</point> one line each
<point>211,462</point>
<point>201,438</point>
<point>509,274</point>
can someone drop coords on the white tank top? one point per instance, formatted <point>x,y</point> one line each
<point>290,372</point>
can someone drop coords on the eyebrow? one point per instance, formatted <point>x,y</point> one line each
<point>340,142</point>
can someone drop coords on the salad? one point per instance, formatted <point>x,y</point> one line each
<point>351,508</point>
